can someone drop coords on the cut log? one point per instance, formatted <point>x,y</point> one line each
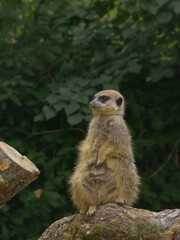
<point>16,172</point>
<point>114,222</point>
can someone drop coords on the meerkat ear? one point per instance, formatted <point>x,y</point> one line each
<point>119,101</point>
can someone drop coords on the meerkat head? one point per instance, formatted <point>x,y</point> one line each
<point>107,103</point>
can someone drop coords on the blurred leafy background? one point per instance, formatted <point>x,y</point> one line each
<point>54,56</point>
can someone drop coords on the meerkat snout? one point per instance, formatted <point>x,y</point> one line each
<point>99,101</point>
<point>91,104</point>
<point>94,104</point>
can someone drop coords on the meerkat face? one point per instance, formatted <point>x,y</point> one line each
<point>107,103</point>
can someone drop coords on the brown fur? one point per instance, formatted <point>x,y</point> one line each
<point>105,171</point>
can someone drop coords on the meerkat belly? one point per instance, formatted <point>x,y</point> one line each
<point>109,177</point>
<point>105,182</point>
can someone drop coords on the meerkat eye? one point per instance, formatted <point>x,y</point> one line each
<point>103,99</point>
<point>119,101</point>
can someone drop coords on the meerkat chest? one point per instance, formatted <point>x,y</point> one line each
<point>98,132</point>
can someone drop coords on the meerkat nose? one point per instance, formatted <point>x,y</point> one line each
<point>90,104</point>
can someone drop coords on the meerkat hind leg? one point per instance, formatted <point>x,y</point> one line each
<point>91,211</point>
<point>119,201</point>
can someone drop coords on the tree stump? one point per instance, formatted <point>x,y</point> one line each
<point>114,222</point>
<point>16,172</point>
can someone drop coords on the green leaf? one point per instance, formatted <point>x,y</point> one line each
<point>150,7</point>
<point>164,17</point>
<point>65,92</point>
<point>75,119</point>
<point>71,108</point>
<point>159,73</point>
<point>39,118</point>
<point>176,7</point>
<point>80,12</point>
<point>87,110</point>
<point>80,98</point>
<point>48,112</point>
<point>16,100</point>
<point>53,99</point>
<point>134,66</point>
<point>87,117</point>
<point>58,106</point>
<point>110,51</point>
<point>127,33</point>
<point>161,2</point>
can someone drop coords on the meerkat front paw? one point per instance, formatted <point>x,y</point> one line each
<point>98,165</point>
<point>90,164</point>
<point>91,211</point>
<point>100,161</point>
<point>92,161</point>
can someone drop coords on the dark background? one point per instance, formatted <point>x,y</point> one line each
<point>54,56</point>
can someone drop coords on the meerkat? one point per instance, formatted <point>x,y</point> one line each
<point>106,170</point>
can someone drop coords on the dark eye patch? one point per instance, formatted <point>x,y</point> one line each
<point>103,98</point>
<point>119,101</point>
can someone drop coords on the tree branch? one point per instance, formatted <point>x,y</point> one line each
<point>112,221</point>
<point>174,149</point>
<point>16,172</point>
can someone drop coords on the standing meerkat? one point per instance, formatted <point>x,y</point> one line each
<point>105,172</point>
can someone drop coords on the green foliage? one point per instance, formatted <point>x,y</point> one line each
<point>54,56</point>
